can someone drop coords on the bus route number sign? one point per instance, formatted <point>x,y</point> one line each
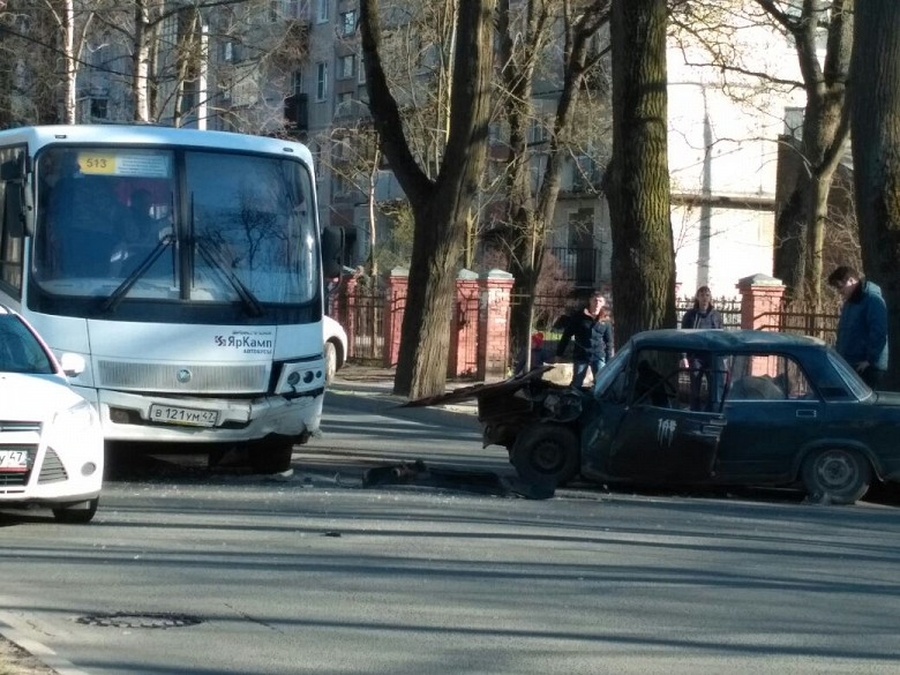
<point>96,163</point>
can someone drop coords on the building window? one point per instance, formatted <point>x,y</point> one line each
<point>321,81</point>
<point>284,10</point>
<point>793,122</point>
<point>322,11</point>
<point>231,51</point>
<point>347,66</point>
<point>348,22</point>
<point>343,106</point>
<point>537,133</point>
<point>361,71</point>
<point>297,82</point>
<point>99,108</point>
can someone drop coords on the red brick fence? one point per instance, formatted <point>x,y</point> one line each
<point>372,315</point>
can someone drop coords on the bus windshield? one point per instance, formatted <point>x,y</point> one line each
<point>174,226</point>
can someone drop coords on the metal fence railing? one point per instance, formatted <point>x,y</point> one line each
<point>363,316</point>
<point>822,326</point>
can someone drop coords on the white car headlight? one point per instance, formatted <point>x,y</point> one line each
<point>69,425</point>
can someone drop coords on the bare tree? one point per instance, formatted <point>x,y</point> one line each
<point>416,54</point>
<point>439,204</point>
<point>637,184</point>
<point>43,43</point>
<point>355,158</point>
<point>809,24</point>
<point>875,103</point>
<point>524,35</point>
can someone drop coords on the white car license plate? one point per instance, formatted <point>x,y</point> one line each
<point>13,461</point>
<point>169,414</point>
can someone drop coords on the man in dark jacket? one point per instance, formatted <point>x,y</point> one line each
<point>590,329</point>
<point>862,327</point>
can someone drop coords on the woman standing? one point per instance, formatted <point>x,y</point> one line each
<point>703,315</point>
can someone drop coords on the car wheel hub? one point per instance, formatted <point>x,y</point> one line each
<point>547,458</point>
<point>836,470</point>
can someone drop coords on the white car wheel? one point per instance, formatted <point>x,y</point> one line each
<point>330,362</point>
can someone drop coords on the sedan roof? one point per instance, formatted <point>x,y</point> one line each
<point>722,340</point>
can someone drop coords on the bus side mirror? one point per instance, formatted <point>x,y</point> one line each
<point>12,175</point>
<point>332,251</point>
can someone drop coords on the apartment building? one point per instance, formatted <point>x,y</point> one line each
<point>294,68</point>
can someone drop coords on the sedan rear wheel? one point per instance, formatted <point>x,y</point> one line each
<point>836,476</point>
<point>547,454</point>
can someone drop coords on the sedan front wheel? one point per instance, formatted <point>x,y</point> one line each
<point>836,476</point>
<point>546,454</point>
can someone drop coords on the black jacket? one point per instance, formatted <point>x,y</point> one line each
<point>592,338</point>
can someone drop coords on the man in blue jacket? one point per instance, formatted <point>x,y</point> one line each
<point>862,328</point>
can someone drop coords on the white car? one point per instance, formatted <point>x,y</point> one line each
<point>51,442</point>
<point>335,347</point>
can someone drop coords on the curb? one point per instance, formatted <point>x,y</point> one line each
<point>37,651</point>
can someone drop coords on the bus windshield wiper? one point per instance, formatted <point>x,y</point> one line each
<point>250,302</point>
<point>116,297</point>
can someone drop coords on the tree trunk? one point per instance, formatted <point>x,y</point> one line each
<point>789,256</point>
<point>875,114</point>
<point>817,209</point>
<point>372,218</point>
<point>7,62</point>
<point>69,55</point>
<point>140,61</point>
<point>643,260</point>
<point>438,237</point>
<point>440,206</point>
<point>800,228</point>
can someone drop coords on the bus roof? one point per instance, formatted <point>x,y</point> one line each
<point>150,135</point>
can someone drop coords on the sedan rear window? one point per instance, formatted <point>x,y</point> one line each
<point>849,376</point>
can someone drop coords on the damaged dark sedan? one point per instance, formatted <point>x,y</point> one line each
<point>700,408</point>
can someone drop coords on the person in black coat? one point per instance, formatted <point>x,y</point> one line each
<point>590,330</point>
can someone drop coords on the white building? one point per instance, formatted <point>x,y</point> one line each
<point>723,134</point>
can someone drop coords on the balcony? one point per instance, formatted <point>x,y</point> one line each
<point>296,112</point>
<point>578,266</point>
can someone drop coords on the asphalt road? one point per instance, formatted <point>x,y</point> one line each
<point>186,571</point>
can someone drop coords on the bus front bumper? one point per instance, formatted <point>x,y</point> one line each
<point>135,417</point>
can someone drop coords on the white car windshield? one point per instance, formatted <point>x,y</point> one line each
<point>610,371</point>
<point>20,352</point>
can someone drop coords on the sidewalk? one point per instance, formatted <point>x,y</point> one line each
<point>377,384</point>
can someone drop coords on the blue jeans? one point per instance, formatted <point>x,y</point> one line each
<point>580,368</point>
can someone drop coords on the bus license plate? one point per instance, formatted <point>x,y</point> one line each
<point>169,414</point>
<point>13,461</point>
